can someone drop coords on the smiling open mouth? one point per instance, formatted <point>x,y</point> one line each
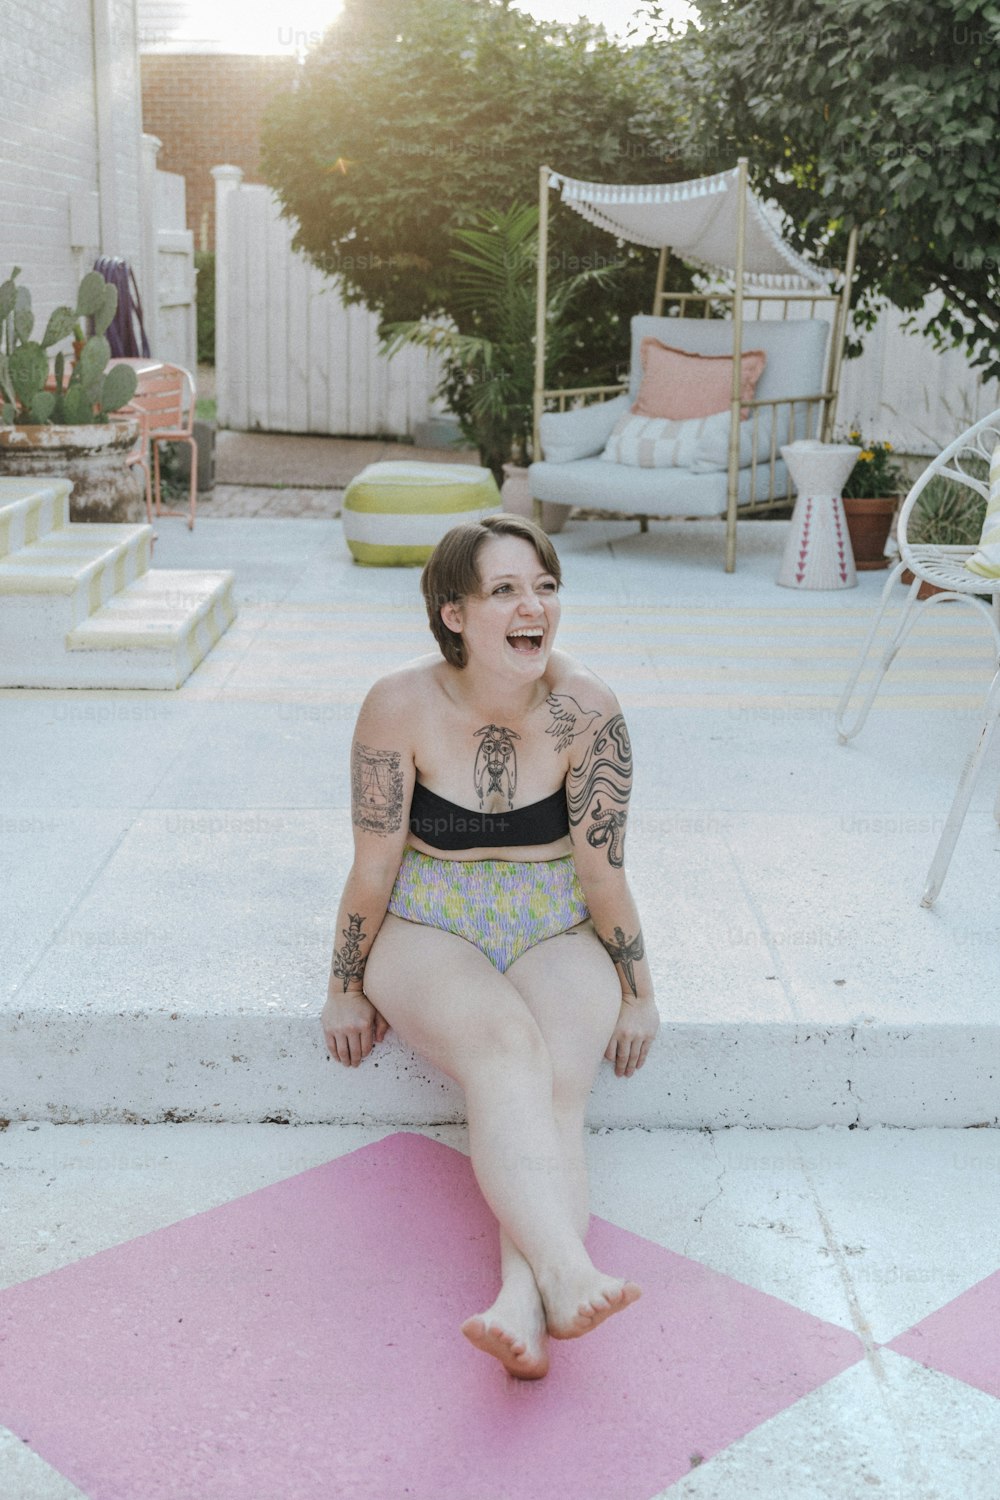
<point>526,640</point>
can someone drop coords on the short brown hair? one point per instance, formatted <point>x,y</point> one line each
<point>451,572</point>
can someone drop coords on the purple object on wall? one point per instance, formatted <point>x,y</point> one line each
<point>121,335</point>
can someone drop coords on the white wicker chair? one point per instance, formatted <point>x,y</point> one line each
<point>942,566</point>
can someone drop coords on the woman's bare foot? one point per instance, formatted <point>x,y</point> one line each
<point>575,1303</point>
<point>513,1331</point>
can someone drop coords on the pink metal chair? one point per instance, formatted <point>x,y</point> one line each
<point>138,457</point>
<point>164,402</point>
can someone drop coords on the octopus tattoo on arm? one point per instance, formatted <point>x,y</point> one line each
<point>376,790</point>
<point>598,790</point>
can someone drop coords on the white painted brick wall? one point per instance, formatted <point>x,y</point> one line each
<point>128,131</point>
<point>48,140</point>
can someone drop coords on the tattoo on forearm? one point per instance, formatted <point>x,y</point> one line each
<point>347,961</point>
<point>626,953</point>
<point>495,769</point>
<point>376,790</point>
<point>568,719</point>
<point>599,789</point>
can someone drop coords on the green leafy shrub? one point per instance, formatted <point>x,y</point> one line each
<point>489,357</point>
<point>204,264</point>
<point>948,514</point>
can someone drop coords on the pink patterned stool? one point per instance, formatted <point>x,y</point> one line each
<point>818,552</point>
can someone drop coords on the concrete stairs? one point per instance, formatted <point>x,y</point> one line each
<point>80,608</point>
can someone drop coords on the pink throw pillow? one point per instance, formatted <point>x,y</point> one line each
<point>679,385</point>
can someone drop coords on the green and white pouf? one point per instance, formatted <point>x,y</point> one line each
<point>395,514</point>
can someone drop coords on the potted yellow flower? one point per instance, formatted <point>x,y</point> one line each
<point>872,494</point>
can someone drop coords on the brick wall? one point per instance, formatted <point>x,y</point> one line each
<point>49,143</point>
<point>206,110</point>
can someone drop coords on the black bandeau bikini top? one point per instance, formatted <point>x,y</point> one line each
<point>445,825</point>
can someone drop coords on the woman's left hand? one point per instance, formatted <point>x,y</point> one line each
<point>638,1023</point>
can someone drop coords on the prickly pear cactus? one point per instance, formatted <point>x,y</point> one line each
<point>28,392</point>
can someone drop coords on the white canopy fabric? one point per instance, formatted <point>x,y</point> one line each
<point>697,219</point>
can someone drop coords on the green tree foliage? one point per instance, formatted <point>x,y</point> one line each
<point>412,117</point>
<point>882,113</point>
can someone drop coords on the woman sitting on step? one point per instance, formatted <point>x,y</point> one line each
<point>487,917</point>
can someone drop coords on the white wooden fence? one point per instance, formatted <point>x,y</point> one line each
<point>168,248</point>
<point>289,356</point>
<point>902,390</point>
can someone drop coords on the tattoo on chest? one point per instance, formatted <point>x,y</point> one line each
<point>598,789</point>
<point>626,953</point>
<point>376,790</point>
<point>347,961</point>
<point>495,770</point>
<point>568,719</point>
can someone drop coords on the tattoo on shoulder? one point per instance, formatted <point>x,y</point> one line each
<point>347,961</point>
<point>568,719</point>
<point>376,790</point>
<point>626,953</point>
<point>598,789</point>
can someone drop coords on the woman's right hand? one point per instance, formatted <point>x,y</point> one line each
<point>351,1026</point>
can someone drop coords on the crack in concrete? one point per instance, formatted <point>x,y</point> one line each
<point>705,1130</point>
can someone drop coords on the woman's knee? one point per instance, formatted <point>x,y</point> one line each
<point>510,1037</point>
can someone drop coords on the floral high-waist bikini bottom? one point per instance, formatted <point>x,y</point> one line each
<point>503,906</point>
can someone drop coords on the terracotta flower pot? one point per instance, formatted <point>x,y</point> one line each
<point>926,588</point>
<point>869,522</point>
<point>91,455</point>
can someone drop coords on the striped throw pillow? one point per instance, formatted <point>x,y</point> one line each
<point>986,562</point>
<point>654,442</point>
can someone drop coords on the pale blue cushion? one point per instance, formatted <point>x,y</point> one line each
<point>568,435</point>
<point>655,492</point>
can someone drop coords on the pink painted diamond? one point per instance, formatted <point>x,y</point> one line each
<point>960,1339</point>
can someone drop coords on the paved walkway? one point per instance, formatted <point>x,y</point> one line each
<point>305,476</point>
<point>293,462</point>
<point>820,1304</point>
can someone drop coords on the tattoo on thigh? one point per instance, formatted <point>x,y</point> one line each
<point>626,953</point>
<point>347,961</point>
<point>599,789</point>
<point>568,719</point>
<point>495,769</point>
<point>376,790</point>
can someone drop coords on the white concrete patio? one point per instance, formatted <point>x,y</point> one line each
<point>173,860</point>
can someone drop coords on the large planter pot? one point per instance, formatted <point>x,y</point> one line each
<point>869,522</point>
<point>92,456</point>
<point>515,493</point>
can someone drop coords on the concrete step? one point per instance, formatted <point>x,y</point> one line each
<point>78,567</point>
<point>89,1064</point>
<point>29,509</point>
<point>156,631</point>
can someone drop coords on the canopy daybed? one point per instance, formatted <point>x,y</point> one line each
<point>768,298</point>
